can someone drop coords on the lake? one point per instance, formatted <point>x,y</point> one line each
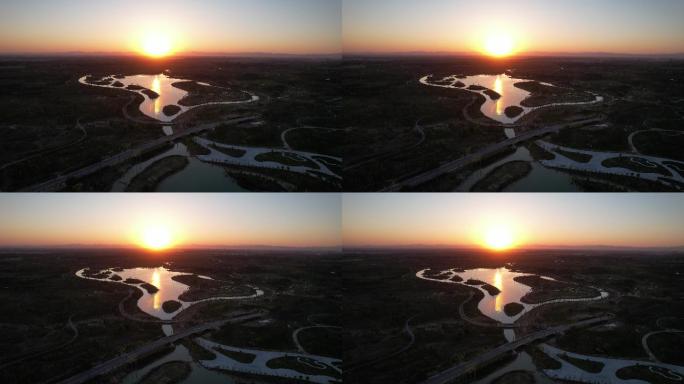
<point>504,85</point>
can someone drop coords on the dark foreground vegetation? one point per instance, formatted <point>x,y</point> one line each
<point>386,108</point>
<point>52,125</point>
<point>41,295</point>
<point>383,298</point>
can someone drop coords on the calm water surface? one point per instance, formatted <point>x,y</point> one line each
<point>502,84</point>
<point>540,179</point>
<point>199,176</point>
<point>503,279</point>
<point>511,291</point>
<point>160,277</point>
<point>168,94</point>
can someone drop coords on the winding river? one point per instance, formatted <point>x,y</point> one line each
<point>504,85</point>
<point>162,85</point>
<point>503,279</point>
<point>162,279</point>
<point>218,369</point>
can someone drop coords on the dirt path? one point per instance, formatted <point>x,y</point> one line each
<point>34,354</point>
<point>45,151</point>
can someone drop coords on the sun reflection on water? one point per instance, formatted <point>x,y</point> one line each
<point>156,281</point>
<point>498,283</point>
<point>498,88</point>
<point>156,86</point>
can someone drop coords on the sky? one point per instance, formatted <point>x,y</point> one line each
<point>296,220</point>
<point>558,26</point>
<point>624,220</point>
<point>203,26</point>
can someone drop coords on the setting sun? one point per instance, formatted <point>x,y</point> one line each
<point>156,238</point>
<point>499,45</point>
<point>156,45</point>
<point>498,238</point>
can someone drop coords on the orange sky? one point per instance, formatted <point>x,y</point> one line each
<point>193,219</point>
<point>203,26</point>
<point>639,220</point>
<point>558,26</point>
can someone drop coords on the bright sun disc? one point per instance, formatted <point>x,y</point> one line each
<point>499,45</point>
<point>156,45</point>
<point>498,238</point>
<point>156,238</point>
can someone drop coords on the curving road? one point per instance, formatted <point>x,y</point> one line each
<point>34,354</point>
<point>283,135</point>
<point>644,340</point>
<point>392,152</point>
<point>295,334</point>
<point>631,136</point>
<point>148,349</point>
<point>461,369</point>
<point>412,339</point>
<point>59,182</point>
<point>45,151</point>
<point>482,154</point>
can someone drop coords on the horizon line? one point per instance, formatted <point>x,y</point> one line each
<point>343,247</point>
<point>172,55</point>
<point>519,54</point>
<point>524,247</point>
<point>179,247</point>
<point>342,54</point>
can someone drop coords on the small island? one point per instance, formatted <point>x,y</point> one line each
<point>546,289</point>
<point>150,93</point>
<point>492,290</point>
<point>474,282</point>
<point>96,275</point>
<point>171,110</point>
<point>492,94</point>
<point>513,111</point>
<point>102,81</point>
<point>171,306</point>
<point>502,176</point>
<point>118,84</point>
<point>477,88</point>
<point>512,309</point>
<point>202,94</point>
<point>151,289</point>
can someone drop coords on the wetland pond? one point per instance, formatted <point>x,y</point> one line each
<point>162,279</point>
<point>504,85</point>
<point>503,279</point>
<point>163,86</point>
<point>197,176</point>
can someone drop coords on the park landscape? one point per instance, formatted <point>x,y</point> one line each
<point>517,295</point>
<point>531,124</point>
<point>538,316</point>
<point>163,97</point>
<point>97,324</point>
<point>467,96</point>
<point>165,299</point>
<point>252,192</point>
<point>126,124</point>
